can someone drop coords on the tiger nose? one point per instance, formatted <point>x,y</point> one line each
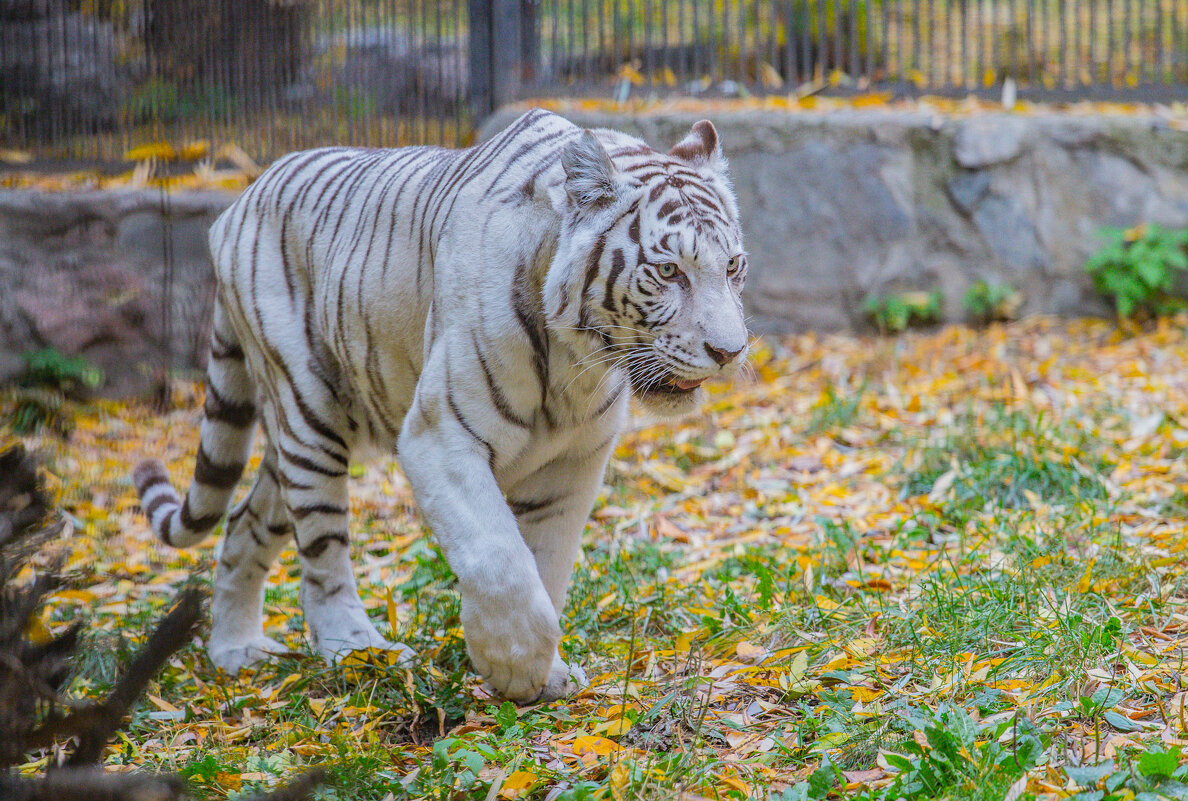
<point>721,355</point>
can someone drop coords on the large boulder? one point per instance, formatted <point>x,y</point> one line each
<point>122,278</point>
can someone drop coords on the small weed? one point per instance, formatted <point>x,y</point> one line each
<point>49,380</point>
<point>893,314</point>
<point>835,409</point>
<point>988,303</point>
<point>1139,269</point>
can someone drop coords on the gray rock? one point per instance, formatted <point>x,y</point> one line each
<point>1010,233</point>
<point>967,188</point>
<point>984,141</point>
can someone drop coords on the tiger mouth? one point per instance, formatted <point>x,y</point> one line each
<point>671,385</point>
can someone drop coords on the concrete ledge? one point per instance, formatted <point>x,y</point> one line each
<point>837,206</point>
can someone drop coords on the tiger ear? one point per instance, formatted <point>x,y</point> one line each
<point>590,178</point>
<point>700,146</point>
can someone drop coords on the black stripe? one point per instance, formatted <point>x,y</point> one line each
<point>609,402</point>
<point>233,413</point>
<point>592,265</point>
<point>465,425</point>
<point>153,480</point>
<point>529,318</point>
<point>297,460</point>
<point>198,524</point>
<point>617,264</point>
<point>497,397</point>
<point>256,537</point>
<point>321,543</point>
<point>222,349</point>
<point>302,512</point>
<point>292,484</point>
<point>157,503</point>
<point>525,507</point>
<point>314,422</point>
<point>220,476</point>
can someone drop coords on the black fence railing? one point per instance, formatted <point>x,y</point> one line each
<point>93,78</point>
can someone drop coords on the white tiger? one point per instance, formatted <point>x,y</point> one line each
<point>485,314</point>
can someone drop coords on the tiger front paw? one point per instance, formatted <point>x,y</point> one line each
<point>513,645</point>
<point>232,656</point>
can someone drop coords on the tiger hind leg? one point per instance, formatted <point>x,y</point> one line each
<point>312,469</point>
<point>257,530</point>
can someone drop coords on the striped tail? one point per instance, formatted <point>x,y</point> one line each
<point>225,441</point>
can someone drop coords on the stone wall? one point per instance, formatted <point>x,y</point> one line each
<point>835,206</point>
<point>86,273</point>
<point>841,205</point>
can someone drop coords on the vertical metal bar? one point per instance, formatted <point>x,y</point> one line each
<point>1159,62</point>
<point>788,65</point>
<point>867,40</point>
<point>569,40</point>
<point>804,18</point>
<point>885,16</point>
<point>480,65</point>
<point>917,23</point>
<point>585,16</point>
<point>601,30</point>
<point>684,69</point>
<point>555,65</point>
<point>615,35</point>
<point>1092,40</point>
<point>1125,40</point>
<point>1083,47</point>
<point>1107,56</point>
<point>1177,50</point>
<point>964,44</point>
<point>711,64</point>
<point>741,64</point>
<point>1068,8</point>
<point>931,43</point>
<point>852,67</point>
<point>665,67</point>
<point>1042,55</point>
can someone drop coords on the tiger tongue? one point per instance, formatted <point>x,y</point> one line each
<point>682,383</point>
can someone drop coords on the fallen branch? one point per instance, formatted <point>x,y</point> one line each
<point>33,714</point>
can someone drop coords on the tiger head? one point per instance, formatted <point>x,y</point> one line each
<point>650,262</point>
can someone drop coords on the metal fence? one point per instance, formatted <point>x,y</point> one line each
<point>93,78</point>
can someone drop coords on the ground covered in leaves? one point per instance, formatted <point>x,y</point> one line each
<point>943,565</point>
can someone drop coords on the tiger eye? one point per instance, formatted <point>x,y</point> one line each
<point>667,270</point>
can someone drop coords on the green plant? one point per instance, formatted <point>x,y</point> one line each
<point>51,369</point>
<point>50,377</point>
<point>892,314</point>
<point>987,303</point>
<point>1138,269</point>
